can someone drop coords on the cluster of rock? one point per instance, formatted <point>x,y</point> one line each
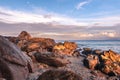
<point>18,60</point>
<point>28,44</point>
<point>105,61</point>
<point>67,48</point>
<point>14,65</point>
<point>30,58</point>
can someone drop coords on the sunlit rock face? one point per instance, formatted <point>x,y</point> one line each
<point>14,65</point>
<point>105,61</point>
<point>111,62</point>
<point>91,61</point>
<point>24,35</point>
<point>28,44</point>
<point>66,48</point>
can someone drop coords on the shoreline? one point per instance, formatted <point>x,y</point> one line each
<point>46,57</point>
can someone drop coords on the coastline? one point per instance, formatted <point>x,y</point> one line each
<point>45,54</point>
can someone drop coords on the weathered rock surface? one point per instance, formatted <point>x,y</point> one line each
<point>47,54</point>
<point>91,61</point>
<point>40,44</point>
<point>111,63</point>
<point>107,61</point>
<point>27,43</point>
<point>14,65</point>
<point>50,60</point>
<point>24,35</point>
<point>87,51</point>
<point>59,75</point>
<point>66,48</point>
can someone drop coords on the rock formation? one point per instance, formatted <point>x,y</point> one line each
<point>24,35</point>
<point>46,54</point>
<point>50,60</point>
<point>107,61</point>
<point>59,75</point>
<point>14,65</point>
<point>111,63</point>
<point>66,48</point>
<point>91,61</point>
<point>28,44</point>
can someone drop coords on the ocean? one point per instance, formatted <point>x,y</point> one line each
<point>99,44</point>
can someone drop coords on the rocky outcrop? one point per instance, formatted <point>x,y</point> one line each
<point>66,48</point>
<point>50,60</point>
<point>14,65</point>
<point>40,44</point>
<point>24,35</point>
<point>46,54</point>
<point>107,61</point>
<point>91,61</point>
<point>87,51</point>
<point>111,63</point>
<point>59,75</point>
<point>28,44</point>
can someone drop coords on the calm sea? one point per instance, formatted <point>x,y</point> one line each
<point>99,44</point>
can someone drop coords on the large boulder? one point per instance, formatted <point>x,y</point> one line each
<point>87,51</point>
<point>40,44</point>
<point>27,43</point>
<point>24,35</point>
<point>50,60</point>
<point>111,63</point>
<point>66,48</point>
<point>59,75</point>
<point>91,61</point>
<point>14,65</point>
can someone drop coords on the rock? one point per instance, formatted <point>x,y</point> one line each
<point>2,79</point>
<point>59,46</point>
<point>97,52</point>
<point>39,44</point>
<point>15,40</point>
<point>91,61</point>
<point>24,35</point>
<point>33,47</point>
<point>70,45</point>
<point>87,51</point>
<point>14,65</point>
<point>111,63</point>
<point>28,44</point>
<point>97,73</point>
<point>113,78</point>
<point>66,48</point>
<point>59,75</point>
<point>49,60</point>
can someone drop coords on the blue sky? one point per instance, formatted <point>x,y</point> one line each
<point>100,17</point>
<point>67,7</point>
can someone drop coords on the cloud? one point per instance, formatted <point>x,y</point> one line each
<point>12,22</point>
<point>81,4</point>
<point>109,34</point>
<point>14,16</point>
<point>24,17</point>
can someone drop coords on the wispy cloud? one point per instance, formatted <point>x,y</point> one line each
<point>81,4</point>
<point>58,26</point>
<point>14,16</point>
<point>19,17</point>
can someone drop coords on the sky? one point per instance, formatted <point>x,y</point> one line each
<point>61,19</point>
